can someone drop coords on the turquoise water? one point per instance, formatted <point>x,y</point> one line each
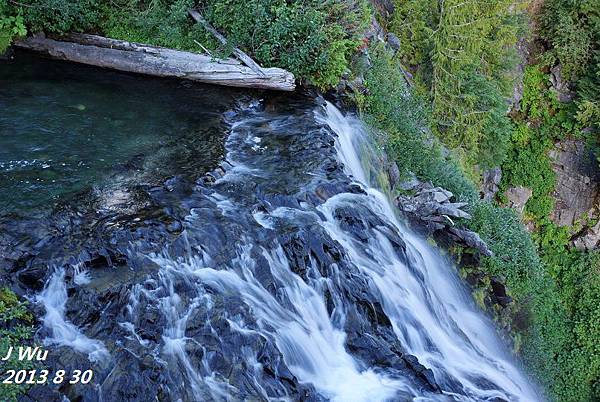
<point>65,128</point>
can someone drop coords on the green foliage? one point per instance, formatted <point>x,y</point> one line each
<point>390,106</point>
<point>15,330</point>
<point>158,22</point>
<point>577,279</point>
<point>541,122</point>
<point>557,295</point>
<point>313,39</point>
<point>528,165</point>
<point>562,323</point>
<point>515,255</point>
<point>12,24</point>
<point>462,53</point>
<point>61,16</point>
<point>572,30</point>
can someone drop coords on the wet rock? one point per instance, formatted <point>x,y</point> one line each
<point>491,180</point>
<point>423,372</point>
<point>577,190</point>
<point>33,277</point>
<point>518,197</point>
<point>41,393</point>
<point>175,227</point>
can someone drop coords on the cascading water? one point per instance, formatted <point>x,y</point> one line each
<point>293,280</point>
<point>433,316</point>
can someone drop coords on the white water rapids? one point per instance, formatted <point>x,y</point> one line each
<point>432,315</point>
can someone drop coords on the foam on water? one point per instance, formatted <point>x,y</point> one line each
<point>432,314</point>
<point>303,314</point>
<point>65,333</point>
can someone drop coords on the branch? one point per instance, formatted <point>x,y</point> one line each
<point>247,60</point>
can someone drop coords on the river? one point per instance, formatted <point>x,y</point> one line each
<point>206,244</point>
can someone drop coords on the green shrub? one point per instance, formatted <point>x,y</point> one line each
<point>60,16</point>
<point>558,317</point>
<point>391,107</point>
<point>541,121</point>
<point>313,39</point>
<point>571,30</point>
<point>12,24</point>
<point>159,22</point>
<point>15,330</point>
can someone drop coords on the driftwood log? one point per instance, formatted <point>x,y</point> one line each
<point>152,60</point>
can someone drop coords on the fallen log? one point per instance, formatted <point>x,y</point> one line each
<point>157,61</point>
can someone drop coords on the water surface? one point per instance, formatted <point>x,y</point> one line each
<point>66,127</point>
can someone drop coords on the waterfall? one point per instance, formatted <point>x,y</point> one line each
<point>293,280</point>
<point>433,315</point>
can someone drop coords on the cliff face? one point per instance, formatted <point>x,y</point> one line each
<point>577,183</point>
<point>577,191</point>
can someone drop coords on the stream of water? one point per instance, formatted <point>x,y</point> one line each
<point>289,278</point>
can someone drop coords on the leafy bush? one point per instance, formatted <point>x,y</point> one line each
<point>313,39</point>
<point>159,22</point>
<point>393,108</point>
<point>557,344</point>
<point>61,16</point>
<point>558,317</point>
<point>572,31</point>
<point>12,25</point>
<point>15,330</point>
<point>542,121</point>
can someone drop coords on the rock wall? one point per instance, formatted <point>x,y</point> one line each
<point>577,188</point>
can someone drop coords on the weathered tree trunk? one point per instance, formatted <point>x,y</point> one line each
<point>145,59</point>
